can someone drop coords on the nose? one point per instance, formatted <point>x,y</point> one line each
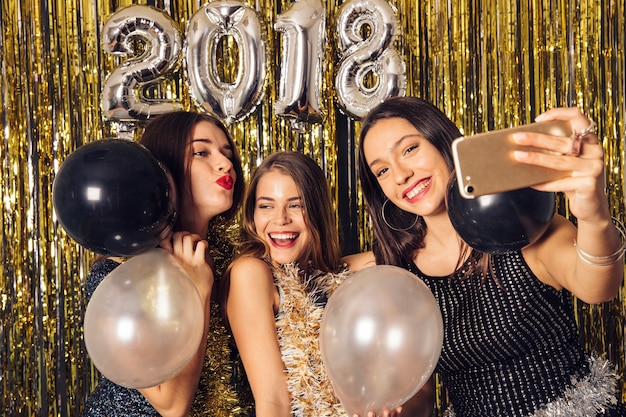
<point>401,173</point>
<point>281,216</point>
<point>223,164</point>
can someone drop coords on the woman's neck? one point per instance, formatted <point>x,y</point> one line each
<point>442,247</point>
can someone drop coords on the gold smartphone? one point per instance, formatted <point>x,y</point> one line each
<point>484,162</point>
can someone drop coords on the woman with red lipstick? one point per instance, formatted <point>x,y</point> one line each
<point>277,287</point>
<point>511,344</point>
<point>202,158</point>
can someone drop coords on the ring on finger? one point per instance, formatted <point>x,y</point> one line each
<point>577,140</point>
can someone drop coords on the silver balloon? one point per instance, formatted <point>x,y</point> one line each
<point>124,95</point>
<point>144,322</point>
<point>370,58</point>
<point>212,22</point>
<point>380,338</point>
<point>304,36</point>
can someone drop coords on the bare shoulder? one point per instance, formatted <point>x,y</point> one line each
<point>249,267</point>
<point>359,261</point>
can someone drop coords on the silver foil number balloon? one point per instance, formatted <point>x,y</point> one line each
<point>152,41</point>
<point>303,27</point>
<point>370,69</point>
<point>213,21</point>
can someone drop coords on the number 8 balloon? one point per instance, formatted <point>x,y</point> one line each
<point>380,338</point>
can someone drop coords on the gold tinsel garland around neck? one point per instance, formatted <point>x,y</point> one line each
<point>298,326</point>
<point>223,390</point>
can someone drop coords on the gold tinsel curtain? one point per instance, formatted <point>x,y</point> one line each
<point>487,64</point>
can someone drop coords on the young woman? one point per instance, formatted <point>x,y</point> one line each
<point>276,288</point>
<point>202,158</point>
<point>511,345</point>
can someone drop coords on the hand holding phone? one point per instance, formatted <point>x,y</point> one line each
<point>484,162</point>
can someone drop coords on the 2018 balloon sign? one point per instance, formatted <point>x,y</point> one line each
<point>366,30</point>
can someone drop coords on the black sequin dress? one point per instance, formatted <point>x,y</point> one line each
<point>109,399</point>
<point>512,348</point>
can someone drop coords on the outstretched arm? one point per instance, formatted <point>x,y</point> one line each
<point>586,260</point>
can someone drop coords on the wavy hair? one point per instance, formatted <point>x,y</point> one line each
<point>319,215</point>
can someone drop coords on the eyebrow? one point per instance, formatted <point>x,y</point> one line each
<point>262,198</point>
<point>227,147</point>
<point>396,145</point>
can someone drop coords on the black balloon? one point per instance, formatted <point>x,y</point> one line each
<point>502,222</point>
<point>114,197</point>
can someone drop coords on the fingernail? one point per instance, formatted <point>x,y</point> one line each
<point>520,155</point>
<point>519,137</point>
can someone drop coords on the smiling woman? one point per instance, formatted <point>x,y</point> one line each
<point>276,289</point>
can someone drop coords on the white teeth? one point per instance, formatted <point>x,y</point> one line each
<point>281,236</point>
<point>415,191</point>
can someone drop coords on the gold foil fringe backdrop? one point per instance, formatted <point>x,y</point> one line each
<point>485,63</point>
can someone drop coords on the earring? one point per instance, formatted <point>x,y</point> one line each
<point>397,229</point>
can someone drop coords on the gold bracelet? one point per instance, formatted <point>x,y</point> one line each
<point>607,259</point>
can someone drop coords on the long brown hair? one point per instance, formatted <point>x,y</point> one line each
<point>397,247</point>
<point>318,209</point>
<point>167,137</point>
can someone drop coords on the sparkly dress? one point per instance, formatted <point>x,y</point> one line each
<point>511,348</point>
<point>109,399</point>
<point>222,391</point>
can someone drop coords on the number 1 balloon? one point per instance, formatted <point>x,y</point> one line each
<point>303,27</point>
<point>380,338</point>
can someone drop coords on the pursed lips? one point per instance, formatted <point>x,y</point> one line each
<point>225,182</point>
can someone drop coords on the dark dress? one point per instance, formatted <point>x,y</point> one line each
<point>511,347</point>
<point>109,399</point>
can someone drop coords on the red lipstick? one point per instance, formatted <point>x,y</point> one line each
<point>226,182</point>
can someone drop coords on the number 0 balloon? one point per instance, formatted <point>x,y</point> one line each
<point>380,338</point>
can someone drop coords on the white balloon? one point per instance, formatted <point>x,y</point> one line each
<point>380,338</point>
<point>303,27</point>
<point>122,94</point>
<point>371,56</point>
<point>144,322</point>
<point>212,22</point>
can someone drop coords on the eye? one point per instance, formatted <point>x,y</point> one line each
<point>380,172</point>
<point>228,153</point>
<point>410,149</point>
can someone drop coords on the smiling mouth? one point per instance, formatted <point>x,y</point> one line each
<point>417,189</point>
<point>283,239</point>
<point>226,182</point>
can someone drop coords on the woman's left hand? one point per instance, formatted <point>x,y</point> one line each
<point>581,156</point>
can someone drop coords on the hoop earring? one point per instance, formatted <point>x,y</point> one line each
<point>397,229</point>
